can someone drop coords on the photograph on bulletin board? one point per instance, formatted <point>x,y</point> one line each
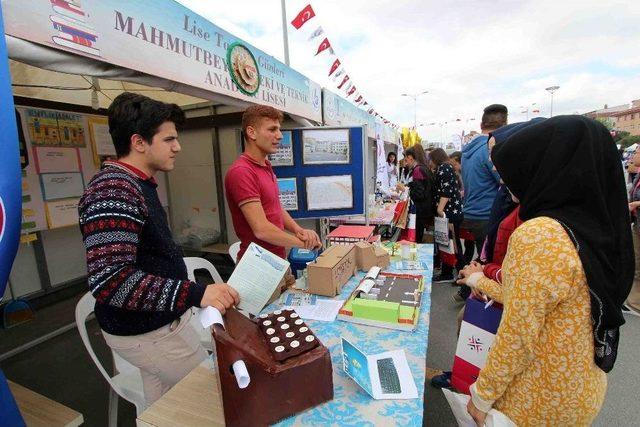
<point>42,126</point>
<point>70,129</point>
<point>329,192</point>
<point>284,155</point>
<point>326,147</point>
<point>288,192</point>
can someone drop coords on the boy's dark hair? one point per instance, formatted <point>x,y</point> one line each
<point>438,156</point>
<point>131,113</point>
<point>494,117</point>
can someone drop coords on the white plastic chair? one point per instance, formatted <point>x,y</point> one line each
<point>127,383</point>
<point>193,264</point>
<point>234,249</point>
<point>196,263</point>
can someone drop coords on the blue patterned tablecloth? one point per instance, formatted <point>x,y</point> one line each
<point>351,405</point>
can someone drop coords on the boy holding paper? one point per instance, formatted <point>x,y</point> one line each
<point>135,270</point>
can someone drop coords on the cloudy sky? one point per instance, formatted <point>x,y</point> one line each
<point>466,54</point>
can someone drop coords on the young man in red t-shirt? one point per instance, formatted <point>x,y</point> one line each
<point>252,189</point>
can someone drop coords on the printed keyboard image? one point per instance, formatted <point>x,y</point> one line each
<point>389,379</point>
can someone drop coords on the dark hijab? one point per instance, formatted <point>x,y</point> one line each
<point>567,168</point>
<point>503,204</point>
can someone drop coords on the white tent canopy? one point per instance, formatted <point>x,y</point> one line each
<point>41,72</point>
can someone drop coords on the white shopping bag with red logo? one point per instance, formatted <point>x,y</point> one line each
<point>477,333</point>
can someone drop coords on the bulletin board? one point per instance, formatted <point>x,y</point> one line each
<point>325,173</point>
<point>63,151</point>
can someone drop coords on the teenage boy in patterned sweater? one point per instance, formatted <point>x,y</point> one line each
<point>135,270</point>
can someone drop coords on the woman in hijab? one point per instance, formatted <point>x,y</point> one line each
<point>567,271</point>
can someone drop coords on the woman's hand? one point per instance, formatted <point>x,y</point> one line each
<point>468,270</point>
<point>633,206</point>
<point>477,415</point>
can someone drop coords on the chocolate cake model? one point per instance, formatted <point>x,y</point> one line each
<point>282,356</point>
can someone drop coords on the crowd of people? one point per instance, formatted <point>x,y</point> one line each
<point>546,207</point>
<point>542,206</point>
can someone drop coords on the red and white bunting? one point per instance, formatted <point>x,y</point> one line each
<point>324,46</point>
<point>317,33</point>
<point>353,89</point>
<point>346,78</point>
<point>359,98</point>
<point>334,67</point>
<point>305,14</point>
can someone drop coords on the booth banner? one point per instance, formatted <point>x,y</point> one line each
<point>165,39</point>
<point>337,111</point>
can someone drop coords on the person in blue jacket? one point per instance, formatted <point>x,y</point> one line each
<point>480,179</point>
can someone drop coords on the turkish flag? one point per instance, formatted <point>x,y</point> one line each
<point>353,89</point>
<point>358,99</point>
<point>334,67</point>
<point>346,78</point>
<point>304,15</point>
<point>324,45</point>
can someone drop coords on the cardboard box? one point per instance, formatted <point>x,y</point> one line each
<point>277,390</point>
<point>383,257</point>
<point>332,269</point>
<point>365,256</point>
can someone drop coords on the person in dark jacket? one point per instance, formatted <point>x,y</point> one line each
<point>420,188</point>
<point>448,204</point>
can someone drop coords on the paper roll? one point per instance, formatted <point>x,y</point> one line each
<point>210,316</point>
<point>373,272</point>
<point>241,373</point>
<point>366,285</point>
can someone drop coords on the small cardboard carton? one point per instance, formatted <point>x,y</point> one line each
<point>383,257</point>
<point>332,269</point>
<point>365,256</point>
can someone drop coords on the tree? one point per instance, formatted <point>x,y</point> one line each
<point>629,140</point>
<point>606,121</point>
<point>620,135</point>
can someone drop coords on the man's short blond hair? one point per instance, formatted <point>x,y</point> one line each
<point>253,114</point>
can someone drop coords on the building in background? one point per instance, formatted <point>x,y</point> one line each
<point>628,120</point>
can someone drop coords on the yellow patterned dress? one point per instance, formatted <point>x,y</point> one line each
<point>540,370</point>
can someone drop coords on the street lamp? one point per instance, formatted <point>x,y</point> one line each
<point>552,89</point>
<point>415,104</point>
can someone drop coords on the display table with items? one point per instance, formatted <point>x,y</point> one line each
<point>303,364</point>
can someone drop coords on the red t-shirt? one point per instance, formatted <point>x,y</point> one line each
<point>246,181</point>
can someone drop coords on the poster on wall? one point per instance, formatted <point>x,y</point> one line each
<point>42,127</point>
<point>70,129</point>
<point>56,159</point>
<point>284,155</point>
<point>288,191</point>
<point>100,138</point>
<point>329,192</point>
<point>61,185</point>
<point>62,213</point>
<point>326,146</point>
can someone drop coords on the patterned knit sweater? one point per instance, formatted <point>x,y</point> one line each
<point>135,270</point>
